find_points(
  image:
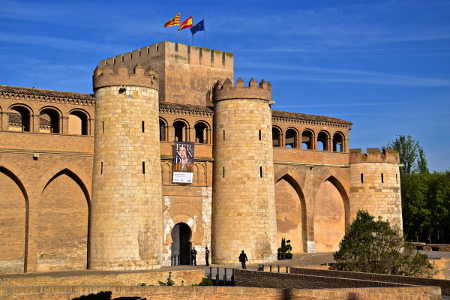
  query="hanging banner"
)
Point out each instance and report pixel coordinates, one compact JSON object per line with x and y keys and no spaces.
{"x":183,"y":162}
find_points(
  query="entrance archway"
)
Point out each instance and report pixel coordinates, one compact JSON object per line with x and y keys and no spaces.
{"x":181,"y":245}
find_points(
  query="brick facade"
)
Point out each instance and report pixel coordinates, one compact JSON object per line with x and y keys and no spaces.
{"x":294,"y":174}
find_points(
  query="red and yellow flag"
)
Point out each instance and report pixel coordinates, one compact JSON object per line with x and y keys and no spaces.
{"x":186,"y":23}
{"x":174,"y":21}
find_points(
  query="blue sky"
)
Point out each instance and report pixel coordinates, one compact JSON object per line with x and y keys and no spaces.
{"x":383,"y":65}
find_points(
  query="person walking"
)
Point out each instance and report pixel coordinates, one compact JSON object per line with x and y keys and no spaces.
{"x":243,"y":258}
{"x":207,"y":256}
{"x":193,"y":257}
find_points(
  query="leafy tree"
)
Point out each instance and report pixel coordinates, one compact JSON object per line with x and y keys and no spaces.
{"x":411,"y":153}
{"x":426,"y":207}
{"x":373,"y":246}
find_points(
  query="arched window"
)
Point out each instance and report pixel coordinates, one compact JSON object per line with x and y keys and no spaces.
{"x":78,"y":123}
{"x":307,"y":139}
{"x":19,"y":119}
{"x":49,"y":121}
{"x":338,"y":142}
{"x":322,"y":141}
{"x":201,"y":133}
{"x":276,"y":137}
{"x":180,"y":130}
{"x":291,"y":138}
{"x":162,"y":130}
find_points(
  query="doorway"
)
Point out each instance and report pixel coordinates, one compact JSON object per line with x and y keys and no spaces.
{"x":181,"y":245}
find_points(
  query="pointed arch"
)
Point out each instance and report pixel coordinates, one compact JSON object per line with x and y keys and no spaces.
{"x":14,"y":217}
{"x":331,"y":209}
{"x":63,"y":223}
{"x":291,"y":212}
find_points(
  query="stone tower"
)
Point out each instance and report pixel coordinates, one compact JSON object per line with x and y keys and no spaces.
{"x":244,"y":216}
{"x":127,"y":223}
{"x":375,"y":184}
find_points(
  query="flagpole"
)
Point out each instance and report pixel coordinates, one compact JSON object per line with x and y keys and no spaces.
{"x":204,"y":32}
{"x":191,"y":27}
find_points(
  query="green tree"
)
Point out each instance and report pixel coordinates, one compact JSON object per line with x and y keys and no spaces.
{"x":426,"y":207}
{"x":411,"y":153}
{"x":373,"y":246}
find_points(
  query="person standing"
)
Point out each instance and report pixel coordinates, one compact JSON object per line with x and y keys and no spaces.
{"x":193,"y":257}
{"x":243,"y":258}
{"x":207,"y":256}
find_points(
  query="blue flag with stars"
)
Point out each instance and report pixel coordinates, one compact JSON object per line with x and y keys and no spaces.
{"x":200,"y":26}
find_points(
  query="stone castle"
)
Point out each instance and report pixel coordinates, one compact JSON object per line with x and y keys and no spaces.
{"x":86,"y":181}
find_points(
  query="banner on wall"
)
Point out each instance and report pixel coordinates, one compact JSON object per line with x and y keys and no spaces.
{"x":183,"y":162}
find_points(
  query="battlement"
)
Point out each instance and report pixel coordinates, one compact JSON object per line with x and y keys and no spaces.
{"x":374,"y":155}
{"x":124,"y":75}
{"x":173,"y":52}
{"x":226,"y":91}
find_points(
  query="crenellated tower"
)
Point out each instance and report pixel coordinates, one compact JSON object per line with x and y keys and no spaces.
{"x":244,"y":215}
{"x":126,"y":213}
{"x":375,"y":184}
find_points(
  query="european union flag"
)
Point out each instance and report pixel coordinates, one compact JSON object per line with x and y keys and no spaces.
{"x":200,"y":26}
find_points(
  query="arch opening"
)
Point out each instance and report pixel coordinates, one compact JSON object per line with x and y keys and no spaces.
{"x":19,"y":119}
{"x":49,"y":121}
{"x":338,"y":142}
{"x":181,"y":244}
{"x":78,"y":123}
{"x":322,"y":141}
{"x":307,"y":138}
{"x":291,"y":138}
{"x":180,"y":131}
{"x":201,"y":136}
{"x":162,"y":130}
{"x":276,"y":137}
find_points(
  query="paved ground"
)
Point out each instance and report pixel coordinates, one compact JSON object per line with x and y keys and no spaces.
{"x":299,"y":260}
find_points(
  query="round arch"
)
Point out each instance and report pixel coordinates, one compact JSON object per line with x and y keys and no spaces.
{"x":276,"y":136}
{"x":20,"y":117}
{"x":181,"y":130}
{"x":163,"y":130}
{"x":338,"y":142}
{"x":308,"y":139}
{"x":202,"y":132}
{"x":78,"y":122}
{"x":50,"y":119}
{"x":322,"y":140}
{"x":291,"y":138}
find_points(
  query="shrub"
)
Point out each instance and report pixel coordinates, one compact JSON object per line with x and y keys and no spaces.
{"x":374,"y":247}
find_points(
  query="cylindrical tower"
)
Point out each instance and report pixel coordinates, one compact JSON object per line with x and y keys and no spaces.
{"x":375,"y":184}
{"x":126,"y":231}
{"x":244,"y":215}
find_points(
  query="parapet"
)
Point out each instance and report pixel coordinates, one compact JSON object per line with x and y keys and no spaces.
{"x":226,"y":91}
{"x":174,"y":52}
{"x":374,"y":155}
{"x":123,"y":75}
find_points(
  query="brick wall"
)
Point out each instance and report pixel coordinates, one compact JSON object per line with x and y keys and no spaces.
{"x":97,"y":278}
{"x":443,"y":284}
{"x":202,"y":293}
